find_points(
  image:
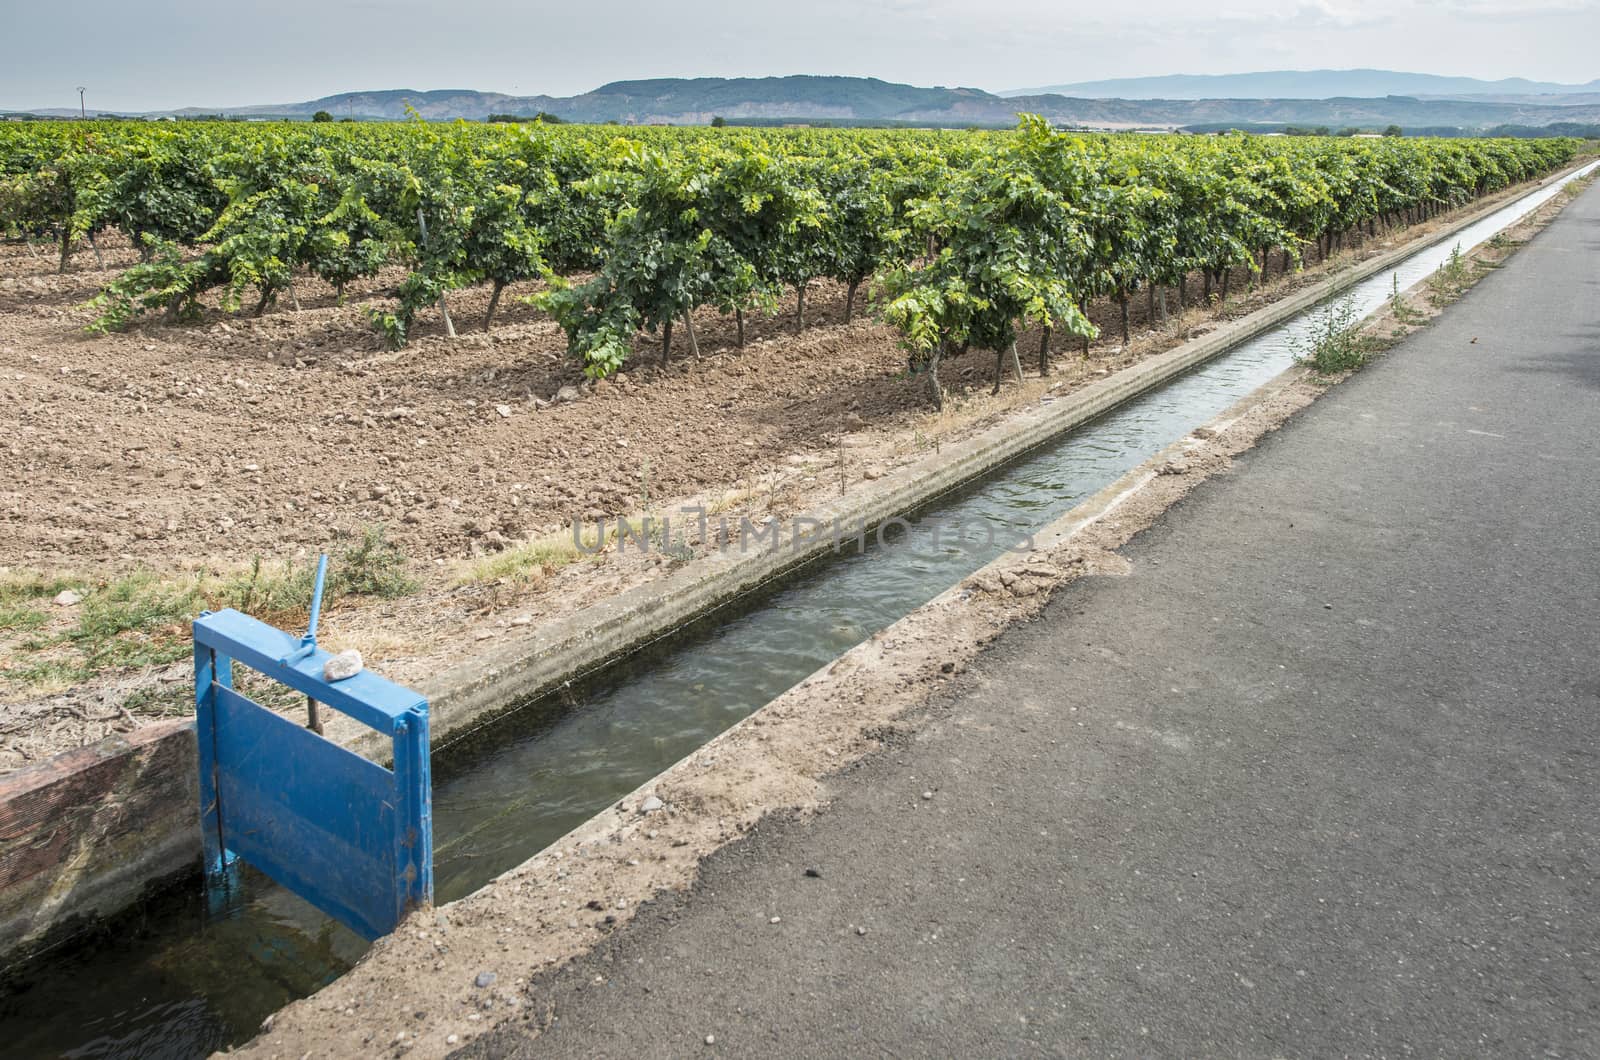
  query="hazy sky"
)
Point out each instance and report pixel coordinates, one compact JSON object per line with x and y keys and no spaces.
{"x":159,"y":54}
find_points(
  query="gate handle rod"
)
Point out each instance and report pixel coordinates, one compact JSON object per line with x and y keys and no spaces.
{"x":308,"y":643}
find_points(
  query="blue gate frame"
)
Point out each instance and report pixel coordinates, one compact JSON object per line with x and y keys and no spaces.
{"x":344,"y":833}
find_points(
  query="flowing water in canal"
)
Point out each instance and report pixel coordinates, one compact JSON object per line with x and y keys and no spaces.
{"x":182,"y":977}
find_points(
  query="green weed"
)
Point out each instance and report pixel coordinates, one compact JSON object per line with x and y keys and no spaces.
{"x":531,"y":560}
{"x":135,"y":621}
{"x":270,"y":594}
{"x":142,"y":619}
{"x":48,"y":674}
{"x":19,"y":616}
{"x":373,"y":566}
{"x":21,"y":586}
{"x":1404,"y":312}
{"x":1334,"y":344}
{"x":1450,"y":279}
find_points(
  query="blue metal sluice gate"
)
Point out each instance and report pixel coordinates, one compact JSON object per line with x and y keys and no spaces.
{"x":349,"y":836}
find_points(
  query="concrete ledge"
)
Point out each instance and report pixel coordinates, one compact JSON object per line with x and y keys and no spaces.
{"x":83,"y":834}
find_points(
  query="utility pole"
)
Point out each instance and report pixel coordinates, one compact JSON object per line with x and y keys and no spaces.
{"x":81,"y":112}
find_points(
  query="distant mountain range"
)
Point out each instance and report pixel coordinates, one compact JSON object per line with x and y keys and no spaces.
{"x":676,"y":101}
{"x":1308,"y":84}
{"x":856,"y":100}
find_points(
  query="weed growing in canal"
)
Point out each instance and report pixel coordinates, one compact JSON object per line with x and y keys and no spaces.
{"x":1451,"y":279}
{"x":1404,"y":312}
{"x":1334,"y":343}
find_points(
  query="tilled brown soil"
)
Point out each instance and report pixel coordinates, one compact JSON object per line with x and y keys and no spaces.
{"x":202,"y":446}
{"x":238,"y":435}
{"x":175,"y":445}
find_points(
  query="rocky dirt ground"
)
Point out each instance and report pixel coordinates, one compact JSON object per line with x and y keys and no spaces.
{"x":188,"y":451}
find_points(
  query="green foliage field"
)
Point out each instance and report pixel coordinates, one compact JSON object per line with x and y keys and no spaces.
{"x":962,"y":238}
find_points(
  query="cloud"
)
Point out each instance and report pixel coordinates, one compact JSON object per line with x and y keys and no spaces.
{"x":1520,"y":10}
{"x":165,"y":53}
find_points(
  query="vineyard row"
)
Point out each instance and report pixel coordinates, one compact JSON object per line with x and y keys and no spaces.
{"x":963,"y":237}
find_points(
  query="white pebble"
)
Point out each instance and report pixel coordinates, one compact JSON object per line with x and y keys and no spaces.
{"x":342,"y":666}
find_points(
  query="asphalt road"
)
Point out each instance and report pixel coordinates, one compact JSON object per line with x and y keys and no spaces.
{"x":1320,"y":777}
